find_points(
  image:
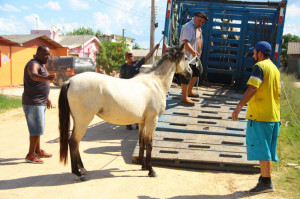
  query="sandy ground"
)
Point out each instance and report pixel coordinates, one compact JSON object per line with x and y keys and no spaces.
{"x":106,"y":151}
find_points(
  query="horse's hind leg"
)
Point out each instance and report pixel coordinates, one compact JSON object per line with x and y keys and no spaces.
{"x":78,"y":133}
{"x":83,"y":171}
{"x":150,"y":128}
{"x":142,"y":145}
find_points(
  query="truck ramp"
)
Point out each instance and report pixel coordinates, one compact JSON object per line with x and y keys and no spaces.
{"x":202,"y":136}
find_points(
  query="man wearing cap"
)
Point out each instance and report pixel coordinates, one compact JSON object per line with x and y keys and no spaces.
{"x":263,"y":114}
{"x":132,"y":67}
{"x":191,"y":37}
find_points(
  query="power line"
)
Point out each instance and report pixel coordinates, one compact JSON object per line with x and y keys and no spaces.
{"x":129,"y":12}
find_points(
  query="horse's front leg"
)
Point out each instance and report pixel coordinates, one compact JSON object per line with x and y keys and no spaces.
{"x":150,"y":128}
{"x":142,"y":145}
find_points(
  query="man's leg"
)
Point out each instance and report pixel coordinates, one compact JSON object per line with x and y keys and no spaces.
{"x":190,"y":87}
{"x":265,"y":168}
{"x":38,"y":145}
{"x":33,"y":142}
{"x":185,"y":98}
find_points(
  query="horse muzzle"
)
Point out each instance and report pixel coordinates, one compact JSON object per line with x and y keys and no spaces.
{"x":188,"y":73}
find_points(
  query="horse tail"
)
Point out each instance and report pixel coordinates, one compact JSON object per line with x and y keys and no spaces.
{"x":64,"y":122}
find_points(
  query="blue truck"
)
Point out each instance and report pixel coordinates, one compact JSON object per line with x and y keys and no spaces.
{"x":204,"y":136}
{"x":233,"y":27}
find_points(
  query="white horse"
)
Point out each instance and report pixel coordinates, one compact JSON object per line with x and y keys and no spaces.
{"x":141,"y":99}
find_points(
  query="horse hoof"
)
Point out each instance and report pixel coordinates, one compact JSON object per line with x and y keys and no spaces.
{"x":152,"y":174}
{"x":81,"y":179}
{"x":83,"y":171}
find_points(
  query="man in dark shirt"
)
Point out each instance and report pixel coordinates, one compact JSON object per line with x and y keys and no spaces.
{"x":132,"y":67}
{"x":35,"y":100}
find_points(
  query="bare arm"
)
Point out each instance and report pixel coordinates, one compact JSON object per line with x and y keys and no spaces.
{"x":151,"y":52}
{"x":33,"y":69}
{"x":189,"y":48}
{"x":247,"y":96}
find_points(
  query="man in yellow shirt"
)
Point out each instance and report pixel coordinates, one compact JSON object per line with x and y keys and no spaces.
{"x":263,"y":114}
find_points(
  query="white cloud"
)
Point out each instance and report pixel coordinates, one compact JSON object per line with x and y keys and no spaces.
{"x":67,"y":27}
{"x":7,"y":26}
{"x":53,"y":5}
{"x":103,"y":22}
{"x":292,"y":29}
{"x":292,"y":11}
{"x":78,"y":5}
{"x":25,"y":7}
{"x":34,"y":22}
{"x":9,"y":8}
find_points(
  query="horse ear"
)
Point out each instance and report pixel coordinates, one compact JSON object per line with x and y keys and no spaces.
{"x":181,"y":47}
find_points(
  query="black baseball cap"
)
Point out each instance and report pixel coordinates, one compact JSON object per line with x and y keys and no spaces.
{"x":201,"y":14}
{"x":128,"y":53}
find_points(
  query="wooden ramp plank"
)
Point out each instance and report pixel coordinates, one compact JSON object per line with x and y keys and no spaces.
{"x":202,"y":136}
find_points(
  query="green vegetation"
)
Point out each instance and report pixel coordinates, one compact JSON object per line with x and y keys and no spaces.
{"x":286,"y":178}
{"x":7,"y":103}
{"x":286,"y":38}
{"x":136,"y":46}
{"x":85,"y":31}
{"x":111,"y":56}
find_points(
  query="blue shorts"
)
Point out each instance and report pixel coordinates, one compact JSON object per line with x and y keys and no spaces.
{"x":261,"y":140}
{"x":35,"y":117}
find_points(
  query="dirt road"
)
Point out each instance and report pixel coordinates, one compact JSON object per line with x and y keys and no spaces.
{"x":106,"y":151}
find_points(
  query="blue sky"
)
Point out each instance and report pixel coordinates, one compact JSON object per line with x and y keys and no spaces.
{"x":110,"y":17}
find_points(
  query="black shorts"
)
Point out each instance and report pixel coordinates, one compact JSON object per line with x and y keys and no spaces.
{"x":196,"y":73}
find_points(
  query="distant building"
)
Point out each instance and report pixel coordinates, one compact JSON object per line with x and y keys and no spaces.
{"x":294,"y":57}
{"x":114,"y":38}
{"x":78,"y":45}
{"x":140,"y":53}
{"x":17,"y":50}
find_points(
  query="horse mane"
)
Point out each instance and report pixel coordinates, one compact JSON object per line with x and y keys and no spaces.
{"x":173,"y":54}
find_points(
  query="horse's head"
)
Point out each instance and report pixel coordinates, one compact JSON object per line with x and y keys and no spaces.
{"x":176,"y":55}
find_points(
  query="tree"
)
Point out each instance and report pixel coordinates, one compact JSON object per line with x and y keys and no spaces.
{"x":284,"y":48}
{"x":136,"y":46}
{"x":111,"y":56}
{"x":84,"y":31}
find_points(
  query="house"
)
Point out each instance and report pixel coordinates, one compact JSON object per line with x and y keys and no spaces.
{"x":114,"y":38}
{"x":294,"y":57}
{"x":80,"y":45}
{"x":17,"y":50}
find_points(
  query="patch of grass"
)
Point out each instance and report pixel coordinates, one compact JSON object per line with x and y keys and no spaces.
{"x":287,"y":178}
{"x":7,"y":103}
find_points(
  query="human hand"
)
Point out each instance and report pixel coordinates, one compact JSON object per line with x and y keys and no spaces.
{"x":195,"y":53}
{"x":48,"y":104}
{"x":235,"y":113}
{"x":51,"y":77}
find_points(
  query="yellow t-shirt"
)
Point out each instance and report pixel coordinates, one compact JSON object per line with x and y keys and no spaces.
{"x":264,"y":105}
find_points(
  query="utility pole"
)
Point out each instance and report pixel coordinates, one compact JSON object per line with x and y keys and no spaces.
{"x":152,"y":29}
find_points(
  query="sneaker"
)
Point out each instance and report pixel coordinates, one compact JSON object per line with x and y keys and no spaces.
{"x":33,"y":159}
{"x":43,"y":154}
{"x":262,"y":187}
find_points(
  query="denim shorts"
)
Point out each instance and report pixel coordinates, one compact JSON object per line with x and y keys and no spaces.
{"x":35,"y":117}
{"x":261,"y":140}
